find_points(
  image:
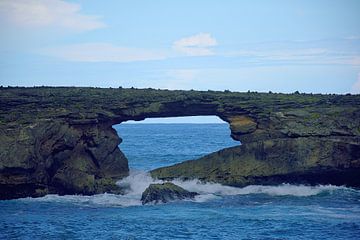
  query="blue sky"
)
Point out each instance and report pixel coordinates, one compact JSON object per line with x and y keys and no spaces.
{"x":279,"y":46}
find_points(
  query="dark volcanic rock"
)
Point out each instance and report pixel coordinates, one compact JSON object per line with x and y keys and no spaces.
{"x":51,"y":157}
{"x":164,"y":193}
{"x":61,"y":140}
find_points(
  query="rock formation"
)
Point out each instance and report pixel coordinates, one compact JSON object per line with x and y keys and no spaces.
{"x":61,"y":140}
{"x":298,"y":160}
{"x":165,"y":192}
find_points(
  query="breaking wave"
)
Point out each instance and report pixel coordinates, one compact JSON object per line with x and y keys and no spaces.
{"x":138,"y":181}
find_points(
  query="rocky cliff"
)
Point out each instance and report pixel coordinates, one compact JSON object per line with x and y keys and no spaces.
{"x":60,"y":140}
{"x":308,"y":160}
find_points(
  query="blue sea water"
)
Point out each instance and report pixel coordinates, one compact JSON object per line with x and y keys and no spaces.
{"x":150,"y":146}
{"x":219,"y":212}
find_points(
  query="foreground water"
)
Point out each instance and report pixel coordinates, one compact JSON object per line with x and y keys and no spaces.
{"x":219,"y":212}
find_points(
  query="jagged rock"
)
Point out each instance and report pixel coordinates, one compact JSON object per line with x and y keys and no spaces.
{"x":165,"y":192}
{"x":60,"y":140}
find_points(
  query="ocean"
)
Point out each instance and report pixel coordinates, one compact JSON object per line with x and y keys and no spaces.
{"x":220,"y":212}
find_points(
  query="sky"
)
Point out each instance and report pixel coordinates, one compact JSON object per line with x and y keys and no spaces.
{"x":188,"y":119}
{"x":257,"y":45}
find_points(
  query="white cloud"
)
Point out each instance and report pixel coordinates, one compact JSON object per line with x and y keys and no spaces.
{"x":102,"y":52}
{"x":356,"y":87}
{"x":196,"y":45}
{"x":301,"y":55}
{"x":284,"y":54}
{"x":47,"y":13}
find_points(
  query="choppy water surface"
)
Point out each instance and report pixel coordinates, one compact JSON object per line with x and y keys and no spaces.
{"x":219,"y":212}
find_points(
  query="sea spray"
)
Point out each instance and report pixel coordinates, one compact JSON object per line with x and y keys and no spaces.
{"x":138,"y":181}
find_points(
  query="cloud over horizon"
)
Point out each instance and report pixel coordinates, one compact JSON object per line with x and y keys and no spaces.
{"x":196,"y":45}
{"x":47,"y":13}
{"x":135,"y":43}
{"x":102,"y":52}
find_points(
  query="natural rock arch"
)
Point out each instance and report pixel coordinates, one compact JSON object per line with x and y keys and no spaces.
{"x":157,"y":142}
{"x":61,"y":140}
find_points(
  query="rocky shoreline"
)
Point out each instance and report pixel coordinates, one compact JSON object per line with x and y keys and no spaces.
{"x":60,"y":139}
{"x":309,"y":161}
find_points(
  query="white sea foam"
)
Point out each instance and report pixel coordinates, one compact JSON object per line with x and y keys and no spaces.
{"x":105,"y":199}
{"x":279,"y":190}
{"x":138,"y":181}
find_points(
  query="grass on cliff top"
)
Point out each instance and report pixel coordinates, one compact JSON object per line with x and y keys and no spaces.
{"x":18,"y":103}
{"x":135,"y":94}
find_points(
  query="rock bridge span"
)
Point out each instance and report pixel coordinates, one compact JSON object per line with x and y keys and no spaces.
{"x":60,"y":139}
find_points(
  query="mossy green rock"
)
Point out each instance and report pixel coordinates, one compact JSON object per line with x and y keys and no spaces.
{"x":60,"y":140}
{"x":51,"y":157}
{"x":165,"y":192}
{"x":298,"y":160}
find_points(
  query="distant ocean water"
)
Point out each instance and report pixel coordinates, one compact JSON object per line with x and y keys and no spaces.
{"x":219,"y":212}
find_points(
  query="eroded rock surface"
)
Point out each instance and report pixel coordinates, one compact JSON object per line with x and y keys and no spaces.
{"x":61,"y":140}
{"x":297,"y":160}
{"x":165,"y":192}
{"x":54,"y":157}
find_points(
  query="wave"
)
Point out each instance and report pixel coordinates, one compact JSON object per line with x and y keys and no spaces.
{"x":105,"y":199}
{"x":284,"y":189}
{"x":138,"y":181}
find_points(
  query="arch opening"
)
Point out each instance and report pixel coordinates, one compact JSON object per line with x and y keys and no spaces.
{"x":159,"y":142}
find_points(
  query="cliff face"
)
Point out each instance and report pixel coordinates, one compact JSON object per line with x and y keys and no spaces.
{"x":317,"y":144}
{"x":60,"y":140}
{"x":54,"y":157}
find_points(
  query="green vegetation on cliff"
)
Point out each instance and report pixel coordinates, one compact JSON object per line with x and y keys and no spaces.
{"x":61,"y":140}
{"x":307,"y":160}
